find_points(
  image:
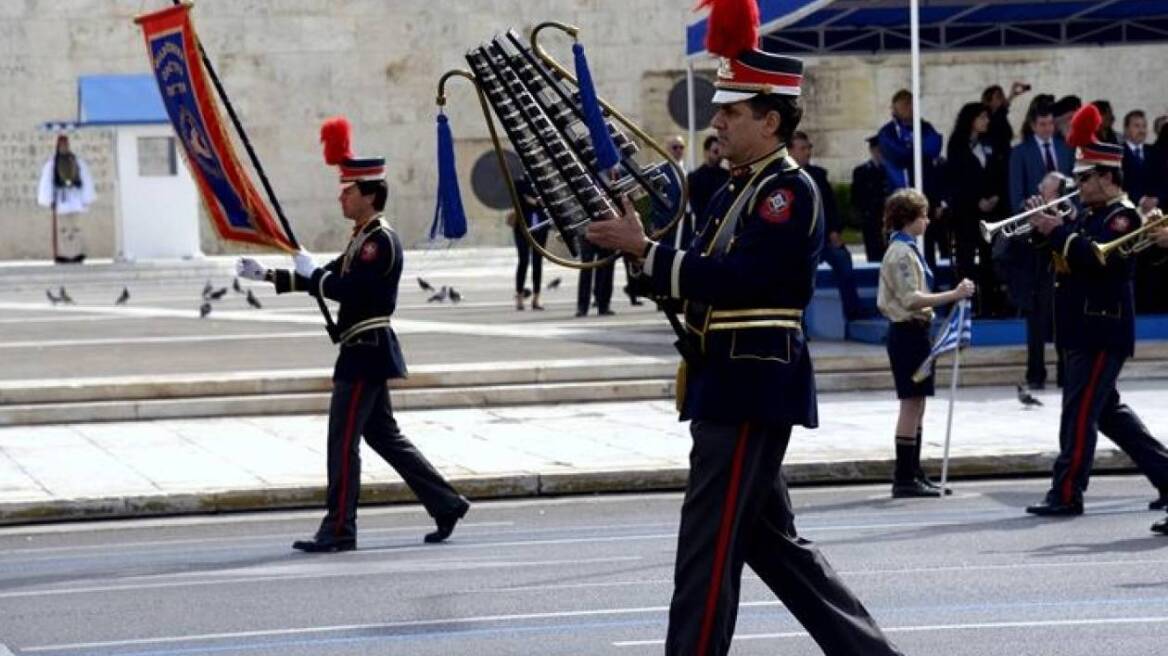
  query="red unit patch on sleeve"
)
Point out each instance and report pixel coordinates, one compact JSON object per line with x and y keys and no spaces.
{"x":1119,"y":224}
{"x":369,"y":251}
{"x":776,"y":208}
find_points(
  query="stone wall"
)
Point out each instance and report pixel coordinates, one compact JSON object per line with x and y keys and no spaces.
{"x":290,"y":63}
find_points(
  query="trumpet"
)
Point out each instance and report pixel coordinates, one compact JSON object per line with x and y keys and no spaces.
{"x":1136,"y":241}
{"x":1019,"y":224}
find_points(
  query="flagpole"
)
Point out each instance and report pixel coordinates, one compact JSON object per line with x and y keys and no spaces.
{"x":915,"y":65}
{"x":952,"y":397}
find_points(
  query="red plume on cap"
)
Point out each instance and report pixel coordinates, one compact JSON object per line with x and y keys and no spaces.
{"x":1084,"y":125}
{"x":732,"y":27}
{"x":335,"y":133}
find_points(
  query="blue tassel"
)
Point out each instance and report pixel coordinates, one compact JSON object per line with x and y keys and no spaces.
{"x":448,"y":213}
{"x":606,"y":153}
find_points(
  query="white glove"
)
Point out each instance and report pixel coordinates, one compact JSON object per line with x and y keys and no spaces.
{"x":250,"y":269}
{"x":304,"y":264}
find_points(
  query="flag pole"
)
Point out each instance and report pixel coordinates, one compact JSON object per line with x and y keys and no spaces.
{"x":952,"y":397}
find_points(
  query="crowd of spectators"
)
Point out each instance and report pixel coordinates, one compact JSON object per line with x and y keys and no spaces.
{"x":985,"y":170}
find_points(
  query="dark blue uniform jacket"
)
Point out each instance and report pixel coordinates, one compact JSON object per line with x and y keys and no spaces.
{"x":745,"y":280}
{"x":364,"y":280}
{"x":1093,"y":301}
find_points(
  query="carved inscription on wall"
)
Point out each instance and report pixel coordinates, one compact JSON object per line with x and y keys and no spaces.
{"x":23,"y":153}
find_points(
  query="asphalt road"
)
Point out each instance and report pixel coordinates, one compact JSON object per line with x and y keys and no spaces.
{"x":967,"y":576}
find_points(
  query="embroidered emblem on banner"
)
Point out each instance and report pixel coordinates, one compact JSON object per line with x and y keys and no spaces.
{"x":776,"y":208}
{"x":369,"y":251}
{"x":1120,"y":224}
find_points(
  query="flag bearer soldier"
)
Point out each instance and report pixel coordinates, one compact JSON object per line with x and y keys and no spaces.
{"x":747,"y":377}
{"x":365,"y":282}
{"x":1094,"y":325}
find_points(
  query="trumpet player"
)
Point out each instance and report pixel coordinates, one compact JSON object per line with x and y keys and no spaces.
{"x":1094,"y":325}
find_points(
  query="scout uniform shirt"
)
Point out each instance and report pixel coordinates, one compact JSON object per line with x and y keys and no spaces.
{"x":902,"y":272}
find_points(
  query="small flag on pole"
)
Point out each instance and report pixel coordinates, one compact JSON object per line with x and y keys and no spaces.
{"x":958,"y":333}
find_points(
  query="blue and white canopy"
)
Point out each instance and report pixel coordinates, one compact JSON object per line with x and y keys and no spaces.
{"x":820,"y":27}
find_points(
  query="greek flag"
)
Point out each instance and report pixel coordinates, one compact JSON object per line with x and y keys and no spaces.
{"x":958,"y":333}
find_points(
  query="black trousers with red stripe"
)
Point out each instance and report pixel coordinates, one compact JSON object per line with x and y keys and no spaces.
{"x":737,"y":512}
{"x":359,"y":408}
{"x":1091,"y":404}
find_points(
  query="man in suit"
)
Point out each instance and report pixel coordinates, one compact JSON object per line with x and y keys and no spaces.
{"x":1139,"y":175}
{"x":1041,"y":153}
{"x":869,"y":189}
{"x":706,"y":181}
{"x":835,"y":252}
{"x":1032,"y":284}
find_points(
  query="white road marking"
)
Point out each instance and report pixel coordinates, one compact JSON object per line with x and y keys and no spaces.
{"x":749,"y":576}
{"x":973,"y":626}
{"x":153,"y":545}
{"x":357,"y":627}
{"x":174,"y":339}
{"x":395,"y":568}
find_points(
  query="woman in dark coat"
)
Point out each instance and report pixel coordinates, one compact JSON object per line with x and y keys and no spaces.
{"x":977,"y":174}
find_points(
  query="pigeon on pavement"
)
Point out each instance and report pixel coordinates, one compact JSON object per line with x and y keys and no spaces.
{"x":217,"y":294}
{"x":554,"y":284}
{"x":207,"y":289}
{"x":425,"y":285}
{"x":123,"y":297}
{"x":64,"y":296}
{"x":52,"y":299}
{"x":455,"y":296}
{"x":204,"y":310}
{"x":236,"y":286}
{"x":440,"y":296}
{"x":1027,"y":399}
{"x":253,"y":301}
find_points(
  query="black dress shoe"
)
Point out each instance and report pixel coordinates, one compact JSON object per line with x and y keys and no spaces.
{"x":914,"y":489}
{"x":446,"y":523}
{"x":1161,"y":526}
{"x":1051,"y":509}
{"x":1161,"y":503}
{"x":324,"y":546}
{"x":930,"y":483}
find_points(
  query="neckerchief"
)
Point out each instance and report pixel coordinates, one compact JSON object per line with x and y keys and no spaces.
{"x":912,"y":243}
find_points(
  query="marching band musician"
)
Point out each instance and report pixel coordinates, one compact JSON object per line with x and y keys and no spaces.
{"x":1094,"y":325}
{"x":745,"y":281}
{"x":365,"y":282}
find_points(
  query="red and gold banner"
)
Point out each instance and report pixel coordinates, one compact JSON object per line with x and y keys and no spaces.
{"x":237,"y":210}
